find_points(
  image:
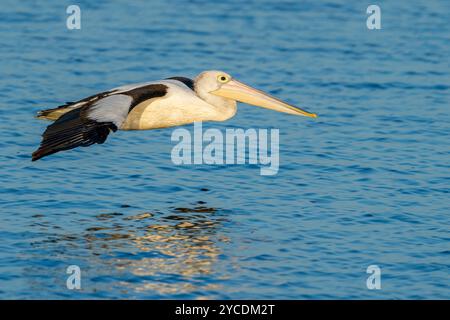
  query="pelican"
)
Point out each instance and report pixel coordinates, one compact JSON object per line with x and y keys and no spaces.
{"x":175,"y":101}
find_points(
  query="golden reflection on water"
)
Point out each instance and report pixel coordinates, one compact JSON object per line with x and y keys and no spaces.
{"x":182,"y":243}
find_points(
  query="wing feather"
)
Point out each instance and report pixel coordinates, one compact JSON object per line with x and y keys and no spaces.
{"x":97,"y":116}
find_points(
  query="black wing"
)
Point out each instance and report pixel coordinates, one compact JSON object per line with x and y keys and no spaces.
{"x":89,"y":124}
{"x":72,"y":130}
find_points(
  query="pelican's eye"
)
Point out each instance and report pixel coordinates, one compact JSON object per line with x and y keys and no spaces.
{"x":222,"y":78}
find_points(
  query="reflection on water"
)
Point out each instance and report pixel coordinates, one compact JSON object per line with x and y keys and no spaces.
{"x":150,"y":253}
{"x":181,"y":243}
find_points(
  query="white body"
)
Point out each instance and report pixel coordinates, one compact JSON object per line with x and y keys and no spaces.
{"x":179,"y":106}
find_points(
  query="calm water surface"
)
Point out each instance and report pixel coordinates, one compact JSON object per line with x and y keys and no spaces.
{"x":365,"y":183}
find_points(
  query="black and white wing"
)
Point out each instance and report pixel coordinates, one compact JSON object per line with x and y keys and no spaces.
{"x":93,"y":121}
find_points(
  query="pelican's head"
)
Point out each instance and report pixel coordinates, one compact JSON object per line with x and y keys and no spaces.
{"x":221,"y":84}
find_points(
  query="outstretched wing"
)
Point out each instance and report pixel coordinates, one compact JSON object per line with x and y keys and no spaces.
{"x":84,"y":126}
{"x":92,"y":123}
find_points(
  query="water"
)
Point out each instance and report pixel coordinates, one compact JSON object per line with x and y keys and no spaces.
{"x":365,"y":183}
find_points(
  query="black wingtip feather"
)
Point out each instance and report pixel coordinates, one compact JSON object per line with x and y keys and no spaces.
{"x":70,"y":131}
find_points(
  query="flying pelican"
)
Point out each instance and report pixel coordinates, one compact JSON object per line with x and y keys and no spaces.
{"x":166,"y":103}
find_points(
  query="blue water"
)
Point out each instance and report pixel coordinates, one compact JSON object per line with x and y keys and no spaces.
{"x":365,"y":183}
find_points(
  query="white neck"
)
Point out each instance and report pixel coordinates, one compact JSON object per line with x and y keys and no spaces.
{"x":226,"y":108}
